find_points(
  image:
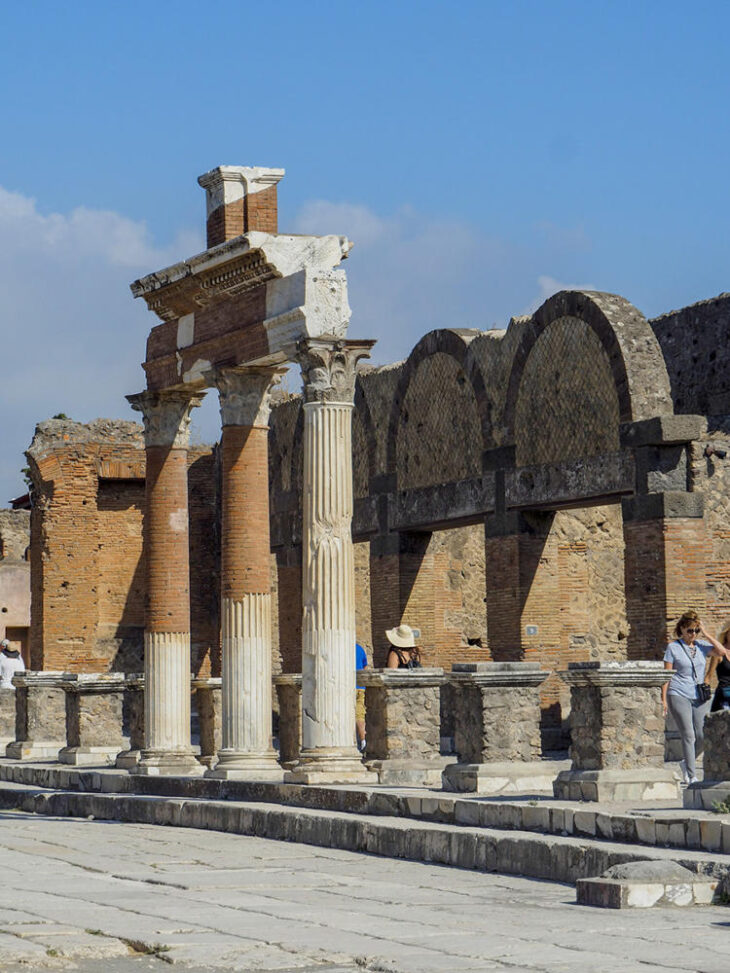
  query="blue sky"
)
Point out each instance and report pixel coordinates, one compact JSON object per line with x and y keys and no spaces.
{"x":480,"y":155}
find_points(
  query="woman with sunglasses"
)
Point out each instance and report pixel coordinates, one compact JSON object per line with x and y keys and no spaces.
{"x":681,"y":695}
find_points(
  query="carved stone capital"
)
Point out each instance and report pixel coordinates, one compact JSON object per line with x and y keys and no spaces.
{"x":329,"y":367}
{"x":245,"y":394}
{"x":166,"y":416}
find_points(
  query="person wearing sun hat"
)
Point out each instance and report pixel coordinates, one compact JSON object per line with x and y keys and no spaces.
{"x":404,"y":654}
{"x":10,"y":662}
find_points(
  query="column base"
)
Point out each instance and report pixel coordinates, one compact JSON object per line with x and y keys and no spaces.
{"x":325,"y":765}
{"x":34,"y":749}
{"x":703,"y":796}
{"x":88,"y":756}
{"x":127,"y":759}
{"x":640,"y":784}
{"x":234,"y":765}
{"x":518,"y":777}
{"x":408,"y":773}
{"x":168,"y":763}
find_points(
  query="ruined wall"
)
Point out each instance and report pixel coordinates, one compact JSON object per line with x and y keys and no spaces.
{"x":87,"y":564}
{"x":694,"y":342}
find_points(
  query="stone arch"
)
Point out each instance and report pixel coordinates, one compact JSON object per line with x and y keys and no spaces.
{"x":439,"y":419}
{"x":586,"y":362}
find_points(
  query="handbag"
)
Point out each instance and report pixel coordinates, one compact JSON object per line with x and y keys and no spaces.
{"x":703,"y":689}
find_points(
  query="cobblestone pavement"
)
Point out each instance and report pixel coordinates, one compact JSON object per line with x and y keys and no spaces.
{"x":98,"y":896}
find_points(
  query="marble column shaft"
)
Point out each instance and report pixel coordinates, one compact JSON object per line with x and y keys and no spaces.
{"x":167,"y":618}
{"x":328,"y":582}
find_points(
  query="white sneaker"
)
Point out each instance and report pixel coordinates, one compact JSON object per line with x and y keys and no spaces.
{"x":693,"y":780}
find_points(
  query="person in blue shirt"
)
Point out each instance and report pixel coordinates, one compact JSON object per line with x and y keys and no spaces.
{"x":361,"y":662}
{"x":687,"y":655}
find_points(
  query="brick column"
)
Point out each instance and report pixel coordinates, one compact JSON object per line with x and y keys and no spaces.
{"x":167,"y":747}
{"x":328,"y":751}
{"x":246,"y":576}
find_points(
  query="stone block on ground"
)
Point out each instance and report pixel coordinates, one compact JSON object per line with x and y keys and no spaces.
{"x":40,"y":716}
{"x":94,"y":718}
{"x":643,"y":884}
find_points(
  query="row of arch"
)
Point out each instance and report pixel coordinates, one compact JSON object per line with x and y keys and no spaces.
{"x":556,"y":385}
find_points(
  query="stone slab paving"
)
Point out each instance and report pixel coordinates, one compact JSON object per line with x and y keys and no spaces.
{"x":91,"y":895}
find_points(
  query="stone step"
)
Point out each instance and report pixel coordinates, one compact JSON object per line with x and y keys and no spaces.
{"x":669,"y":827}
{"x":552,"y":857}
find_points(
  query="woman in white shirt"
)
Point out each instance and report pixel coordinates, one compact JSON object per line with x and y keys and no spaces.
{"x":11,"y":662}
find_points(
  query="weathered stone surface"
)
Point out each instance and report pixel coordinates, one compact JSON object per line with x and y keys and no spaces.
{"x":289,"y":693}
{"x":40,"y":724}
{"x":717,"y":746}
{"x":643,"y":884}
{"x":209,"y":706}
{"x":7,"y":715}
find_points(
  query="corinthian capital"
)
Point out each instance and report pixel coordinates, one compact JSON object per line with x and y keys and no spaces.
{"x":329,"y":366}
{"x":245,"y":394}
{"x":166,"y":416}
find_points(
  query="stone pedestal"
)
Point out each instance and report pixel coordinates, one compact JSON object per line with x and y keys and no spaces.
{"x":167,"y":747}
{"x":246,"y":751}
{"x":40,"y":723}
{"x":208,"y":704}
{"x":497,"y":729}
{"x":329,"y":754}
{"x":289,"y":693}
{"x":403,"y":724}
{"x":7,"y":717}
{"x":715,"y":786}
{"x":133,"y":720}
{"x":93,"y":718}
{"x":617,"y":734}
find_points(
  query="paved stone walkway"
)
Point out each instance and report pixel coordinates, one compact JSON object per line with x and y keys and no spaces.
{"x":93,"y":896}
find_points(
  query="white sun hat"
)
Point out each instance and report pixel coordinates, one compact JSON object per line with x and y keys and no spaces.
{"x":402,"y":636}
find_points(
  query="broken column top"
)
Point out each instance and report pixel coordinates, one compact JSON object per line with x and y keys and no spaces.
{"x":240,"y":199}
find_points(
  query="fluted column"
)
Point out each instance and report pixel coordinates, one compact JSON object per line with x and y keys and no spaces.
{"x":167,"y":747}
{"x":329,"y":754}
{"x":245,"y":576}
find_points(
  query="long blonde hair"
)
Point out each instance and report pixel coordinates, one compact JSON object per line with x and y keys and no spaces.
{"x":722,"y":637}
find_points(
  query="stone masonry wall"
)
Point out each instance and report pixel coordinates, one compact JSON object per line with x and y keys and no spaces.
{"x":616,"y":728}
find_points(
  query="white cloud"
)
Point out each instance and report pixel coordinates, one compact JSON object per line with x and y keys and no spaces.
{"x":73,"y":337}
{"x":547,"y":286}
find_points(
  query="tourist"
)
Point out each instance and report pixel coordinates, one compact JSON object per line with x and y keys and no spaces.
{"x":721,"y":667}
{"x":361,"y":662}
{"x":404,"y":654}
{"x":11,"y":662}
{"x":685,"y":695}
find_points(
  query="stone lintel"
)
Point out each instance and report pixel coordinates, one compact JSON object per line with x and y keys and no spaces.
{"x":402,"y":678}
{"x":50,"y":679}
{"x":486,"y":674}
{"x":464,"y":502}
{"x":94,"y":683}
{"x":570,"y":483}
{"x":670,"y":505}
{"x":206,"y":682}
{"x":640,"y":673}
{"x":662,"y":430}
{"x":288,"y":679}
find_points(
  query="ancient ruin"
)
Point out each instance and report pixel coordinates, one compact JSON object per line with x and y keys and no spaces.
{"x":555,"y":493}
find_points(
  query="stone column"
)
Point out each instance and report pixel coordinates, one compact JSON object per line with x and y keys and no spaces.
{"x":246,"y":576}
{"x":403,"y":724}
{"x":40,"y":716}
{"x":617,"y":734}
{"x":329,"y":754}
{"x":133,"y":720}
{"x":94,"y":704}
{"x":208,"y":705}
{"x":7,"y":717}
{"x":289,"y":692}
{"x":497,"y":729}
{"x":167,"y":747}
